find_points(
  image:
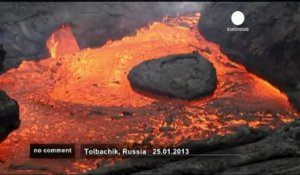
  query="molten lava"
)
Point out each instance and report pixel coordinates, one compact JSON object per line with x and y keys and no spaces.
{"x":62,"y":42}
{"x":83,"y":96}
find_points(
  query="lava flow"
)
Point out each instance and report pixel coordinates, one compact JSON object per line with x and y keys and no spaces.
{"x":83,"y":96}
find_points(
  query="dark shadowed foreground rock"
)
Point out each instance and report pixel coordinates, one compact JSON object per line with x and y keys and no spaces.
{"x":9,"y":115}
{"x":248,"y":151}
{"x":270,"y":49}
{"x":184,"y":76}
{"x":27,"y":166}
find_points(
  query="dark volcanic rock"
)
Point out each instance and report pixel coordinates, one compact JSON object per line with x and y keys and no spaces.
{"x":294,"y":98}
{"x":184,"y":76}
{"x":270,"y":49}
{"x":248,"y":151}
{"x":9,"y":115}
{"x":276,"y":166}
{"x":27,"y":166}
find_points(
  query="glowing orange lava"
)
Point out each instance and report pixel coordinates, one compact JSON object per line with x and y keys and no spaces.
{"x":62,"y":42}
{"x":83,"y":96}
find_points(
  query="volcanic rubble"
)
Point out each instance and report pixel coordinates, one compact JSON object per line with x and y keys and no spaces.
{"x":247,"y":151}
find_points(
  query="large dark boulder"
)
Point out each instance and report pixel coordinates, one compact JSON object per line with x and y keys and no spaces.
{"x":9,"y":115}
{"x":270,"y":49}
{"x":184,"y":76}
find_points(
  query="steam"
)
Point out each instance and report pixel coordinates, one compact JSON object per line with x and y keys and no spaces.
{"x":180,"y":8}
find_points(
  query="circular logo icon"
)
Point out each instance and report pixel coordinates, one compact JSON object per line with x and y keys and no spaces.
{"x":237,"y":18}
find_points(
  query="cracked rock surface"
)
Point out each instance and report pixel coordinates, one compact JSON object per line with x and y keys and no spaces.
{"x":247,"y":151}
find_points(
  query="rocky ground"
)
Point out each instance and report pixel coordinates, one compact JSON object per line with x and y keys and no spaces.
{"x":248,"y":151}
{"x":9,"y":115}
{"x":183,"y":76}
{"x":270,"y":49}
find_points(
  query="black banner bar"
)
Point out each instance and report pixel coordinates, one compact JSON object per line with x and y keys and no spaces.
{"x":52,"y":151}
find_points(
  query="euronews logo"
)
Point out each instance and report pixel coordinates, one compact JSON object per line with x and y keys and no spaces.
{"x":237,"y":18}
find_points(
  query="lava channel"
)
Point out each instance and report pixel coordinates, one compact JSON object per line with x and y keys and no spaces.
{"x":83,"y":96}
